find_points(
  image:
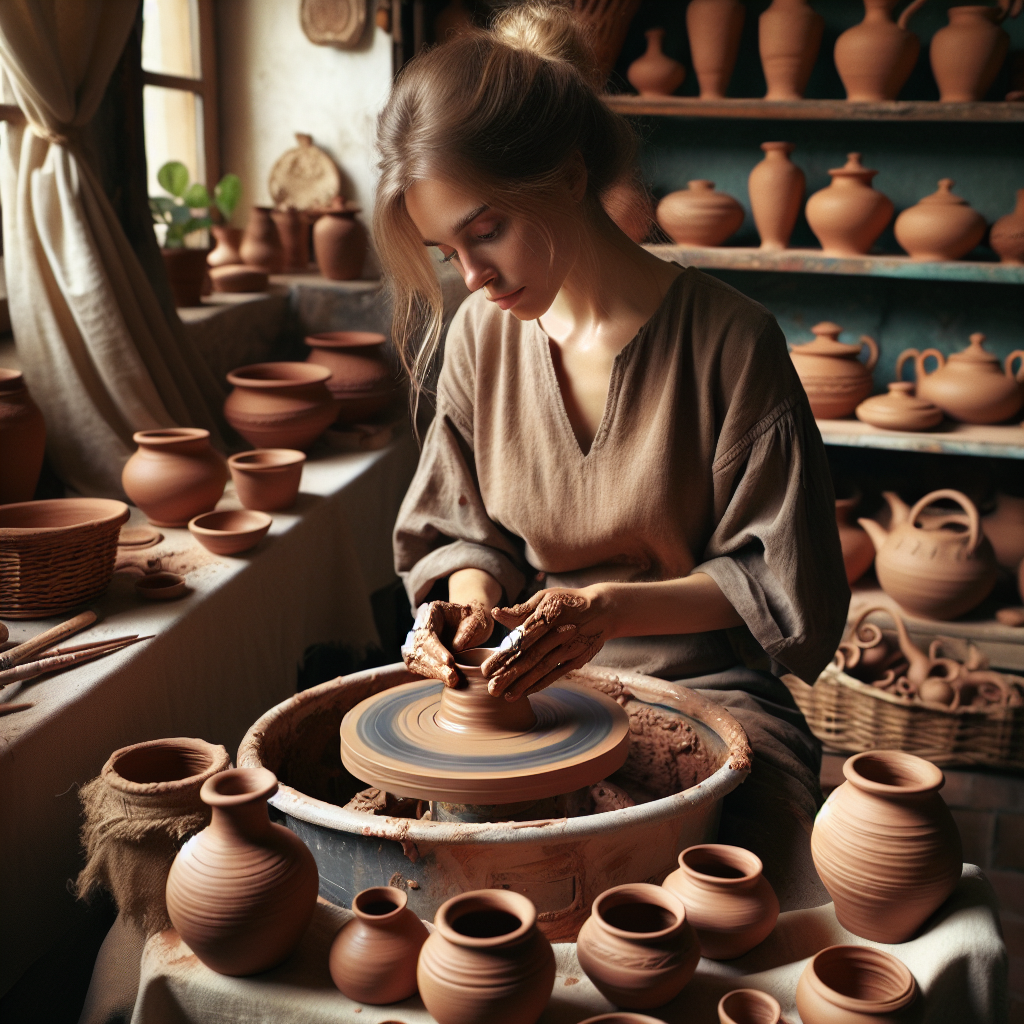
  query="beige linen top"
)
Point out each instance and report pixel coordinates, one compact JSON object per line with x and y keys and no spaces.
{"x":707,"y":459}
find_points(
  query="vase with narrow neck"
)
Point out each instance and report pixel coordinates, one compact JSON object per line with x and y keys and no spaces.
{"x":966,"y":54}
{"x":655,"y":73}
{"x":789,"y":35}
{"x":942,"y":226}
{"x":849,"y":215}
{"x":22,"y":439}
{"x":225,"y":253}
{"x":776,"y":189}
{"x":714,"y":28}
{"x":1007,"y":234}
{"x":874,"y":59}
{"x":261,"y":244}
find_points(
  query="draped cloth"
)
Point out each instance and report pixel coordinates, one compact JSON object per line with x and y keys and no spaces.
{"x":96,"y":348}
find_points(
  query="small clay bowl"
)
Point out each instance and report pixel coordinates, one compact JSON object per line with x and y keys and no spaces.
{"x":160,"y":586}
{"x":748,"y":1006}
{"x":267,"y":479}
{"x":230,"y":533}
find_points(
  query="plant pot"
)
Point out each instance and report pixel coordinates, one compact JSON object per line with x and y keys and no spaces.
{"x":22,"y":439}
{"x":698,"y":215}
{"x":941,"y":226}
{"x":776,"y":188}
{"x":186,"y":273}
{"x":789,"y":36}
{"x":340,"y":241}
{"x":261,"y":244}
{"x":268,"y":479}
{"x":714,"y":28}
{"x":849,"y":215}
{"x":855,"y":985}
{"x":874,"y":58}
{"x":966,"y":54}
{"x":293,"y":229}
{"x":225,"y":253}
{"x":654,"y":73}
{"x":362,"y":379}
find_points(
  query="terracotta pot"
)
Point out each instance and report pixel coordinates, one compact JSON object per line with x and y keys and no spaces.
{"x":267,"y":480}
{"x":280,"y":405}
{"x":874,"y":59}
{"x":899,"y":409}
{"x":225,"y":253}
{"x":293,"y":229}
{"x":339,"y":241}
{"x":486,"y":961}
{"x":855,"y":985}
{"x":714,"y":28}
{"x":966,"y":54}
{"x":1005,"y":531}
{"x":835,"y":379}
{"x":629,"y":206}
{"x":789,"y":35}
{"x":1007,"y":234}
{"x":238,"y":278}
{"x":230,"y":532}
{"x":858,"y":551}
{"x":848,"y":215}
{"x":776,"y":188}
{"x":186,"y":274}
{"x":748,"y":1006}
{"x":941,"y":226}
{"x":242,"y":893}
{"x":727,"y":898}
{"x":970,"y":385}
{"x":362,"y":379}
{"x":22,"y":439}
{"x":655,"y":74}
{"x":698,"y":215}
{"x":261,"y":244}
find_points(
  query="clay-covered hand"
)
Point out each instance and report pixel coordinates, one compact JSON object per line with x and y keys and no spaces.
{"x":556,"y":631}
{"x":441,"y":628}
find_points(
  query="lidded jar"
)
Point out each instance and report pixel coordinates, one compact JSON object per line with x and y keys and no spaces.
{"x":835,"y":379}
{"x":848,"y":215}
{"x":855,"y":985}
{"x":22,"y":439}
{"x":698,"y":215}
{"x":655,"y":73}
{"x":966,"y":54}
{"x":899,"y":409}
{"x":942,"y":226}
{"x":875,"y":57}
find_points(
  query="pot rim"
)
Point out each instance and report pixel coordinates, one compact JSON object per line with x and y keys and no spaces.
{"x":289,"y":458}
{"x":165,"y":436}
{"x":923,"y":776}
{"x":218,"y":761}
{"x":380,"y":893}
{"x":302,"y":375}
{"x":261,"y":521}
{"x":345,"y":339}
{"x":643,"y":893}
{"x":236,"y":787}
{"x":766,"y":999}
{"x":95,"y":512}
{"x":502,"y":900}
{"x":731,"y":856}
{"x":904,"y":983}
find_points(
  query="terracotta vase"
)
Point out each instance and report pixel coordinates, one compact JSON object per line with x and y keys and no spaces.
{"x":835,"y":379}
{"x":966,"y":54}
{"x":855,"y":985}
{"x":1005,"y":530}
{"x":261,"y":244}
{"x":373,"y":958}
{"x":293,"y":230}
{"x":776,"y":188}
{"x":698,"y":215}
{"x":858,"y":551}
{"x":486,"y":961}
{"x":225,"y":253}
{"x":789,"y":36}
{"x":186,"y":274}
{"x":280,"y":405}
{"x":714,"y":28}
{"x":848,"y":215}
{"x":655,"y":74}
{"x":174,"y":475}
{"x":340,"y":241}
{"x":935,"y":566}
{"x":242,"y":892}
{"x":899,"y":409}
{"x":362,"y":379}
{"x":1007,"y":234}
{"x":748,"y":1006}
{"x":970,"y":385}
{"x":22,"y":439}
{"x":267,"y":480}
{"x":727,"y":898}
{"x":874,"y":59}
{"x":941,"y":226}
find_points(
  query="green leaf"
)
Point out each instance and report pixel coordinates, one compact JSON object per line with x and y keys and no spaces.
{"x":162,"y":209}
{"x":173,"y":176}
{"x":180,"y":213}
{"x":227,"y":193}
{"x":197,"y":197}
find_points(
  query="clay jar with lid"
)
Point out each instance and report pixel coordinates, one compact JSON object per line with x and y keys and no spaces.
{"x":835,"y":380}
{"x":966,"y":54}
{"x":941,"y":226}
{"x":486,"y":961}
{"x":268,"y":479}
{"x":22,"y":439}
{"x":714,"y":28}
{"x":362,"y":379}
{"x":789,"y":35}
{"x":339,"y":242}
{"x":261,"y":244}
{"x":373,"y":958}
{"x":1007,"y":234}
{"x":874,"y":58}
{"x":855,"y":985}
{"x":698,"y":215}
{"x":899,"y":409}
{"x":848,"y":215}
{"x":776,"y":189}
{"x":655,"y":73}
{"x":727,"y":898}
{"x":174,"y":475}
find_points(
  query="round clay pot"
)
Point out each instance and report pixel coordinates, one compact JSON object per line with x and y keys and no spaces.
{"x":858,"y":551}
{"x":225,"y":253}
{"x":655,"y":74}
{"x":1007,"y":234}
{"x":238,"y":278}
{"x":835,"y":379}
{"x":698,"y":215}
{"x":280,"y":405}
{"x":966,"y":54}
{"x":160,"y":586}
{"x":362,"y":379}
{"x":242,"y":892}
{"x":854,"y":985}
{"x":1005,"y":530}
{"x":339,"y":241}
{"x":789,"y":35}
{"x":267,"y":480}
{"x":186,"y":274}
{"x":875,"y":58}
{"x":727,"y":898}
{"x":941,"y":226}
{"x":22,"y":439}
{"x":714,"y":28}
{"x":486,"y":961}
{"x":373,"y":958}
{"x":621,"y":1017}
{"x":748,"y":1006}
{"x":261,"y":244}
{"x":230,"y":532}
{"x":848,"y":215}
{"x":293,"y":230}
{"x":174,"y":475}
{"x":899,"y":409}
{"x":776,"y":188}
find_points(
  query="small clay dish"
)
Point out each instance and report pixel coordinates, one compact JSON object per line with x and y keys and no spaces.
{"x":237,"y":277}
{"x":160,"y":586}
{"x":748,"y":1006}
{"x":230,"y":533}
{"x":900,"y":409}
{"x":267,"y":479}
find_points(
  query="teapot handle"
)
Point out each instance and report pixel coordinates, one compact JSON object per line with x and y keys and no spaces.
{"x":872,"y":346}
{"x":1015,"y":354}
{"x":909,"y":12}
{"x":910,"y":353}
{"x":975,"y":535}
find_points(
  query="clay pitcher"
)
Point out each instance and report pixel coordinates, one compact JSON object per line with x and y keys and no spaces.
{"x":22,"y":439}
{"x":848,"y":215}
{"x":1007,"y":234}
{"x":966,"y":54}
{"x":714,"y":28}
{"x":261,"y":244}
{"x":789,"y":35}
{"x":293,"y":230}
{"x":858,"y":551}
{"x":855,"y":985}
{"x":698,"y":215}
{"x":339,"y":242}
{"x":835,"y":380}
{"x":874,"y":59}
{"x":941,"y":226}
{"x":225,"y":253}
{"x":655,"y":73}
{"x":776,"y":188}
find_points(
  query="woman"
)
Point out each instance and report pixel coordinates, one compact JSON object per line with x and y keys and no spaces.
{"x":623,"y":467}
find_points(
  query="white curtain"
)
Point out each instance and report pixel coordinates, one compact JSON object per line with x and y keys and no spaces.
{"x":97,"y":351}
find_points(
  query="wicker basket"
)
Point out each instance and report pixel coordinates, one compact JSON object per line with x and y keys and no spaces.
{"x":56,"y":554}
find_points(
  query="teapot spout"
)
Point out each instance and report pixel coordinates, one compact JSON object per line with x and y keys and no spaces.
{"x":875,"y":531}
{"x":898,"y":507}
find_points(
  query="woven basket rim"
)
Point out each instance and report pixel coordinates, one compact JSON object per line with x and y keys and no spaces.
{"x":115,"y":510}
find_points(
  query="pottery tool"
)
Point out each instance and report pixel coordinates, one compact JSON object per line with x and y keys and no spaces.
{"x":16,"y":655}
{"x":54,"y":651}
{"x":31,"y":669}
{"x":9,"y":709}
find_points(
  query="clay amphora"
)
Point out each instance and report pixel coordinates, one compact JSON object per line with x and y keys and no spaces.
{"x":937,"y":566}
{"x":967,"y":53}
{"x":776,"y":188}
{"x":486,"y":961}
{"x":835,"y":380}
{"x":293,"y":230}
{"x":339,"y":241}
{"x":373,"y":958}
{"x":727,"y":898}
{"x":970,"y":385}
{"x":174,"y":475}
{"x":714,"y":28}
{"x":698,"y":215}
{"x":655,"y":74}
{"x":789,"y":35}
{"x":941,"y":226}
{"x":899,"y":409}
{"x":242,"y":893}
{"x":848,"y":215}
{"x":1007,"y":234}
{"x":22,"y":439}
{"x":225,"y":253}
{"x":261,"y":244}
{"x":268,"y":479}
{"x":875,"y":58}
{"x":855,"y":985}
{"x":858,"y":551}
{"x":748,"y":1006}
{"x":361,"y":378}
{"x":186,"y":274}
{"x":1005,"y":530}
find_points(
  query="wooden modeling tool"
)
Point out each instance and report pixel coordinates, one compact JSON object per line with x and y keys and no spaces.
{"x":24,"y":651}
{"x":30,"y":670}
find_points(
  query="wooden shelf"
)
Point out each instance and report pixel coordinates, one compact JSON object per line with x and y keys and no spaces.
{"x":999,"y":442}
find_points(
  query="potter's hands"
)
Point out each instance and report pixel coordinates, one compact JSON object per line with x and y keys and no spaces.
{"x":556,"y":631}
{"x":442,"y":627}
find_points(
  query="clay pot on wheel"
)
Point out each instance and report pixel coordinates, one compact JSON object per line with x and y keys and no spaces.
{"x":748,"y":1006}
{"x":1007,"y":234}
{"x":858,"y":551}
{"x":261,"y":244}
{"x":789,"y":35}
{"x":339,"y":241}
{"x":22,"y":439}
{"x":966,"y":54}
{"x":186,"y":274}
{"x":268,"y":479}
{"x":776,"y":188}
{"x":698,"y":215}
{"x":848,"y":215}
{"x":941,"y":226}
{"x":855,"y":985}
{"x":225,"y":253}
{"x":293,"y":230}
{"x":874,"y":59}
{"x":655,"y":74}
{"x":833,"y":376}
{"x":362,"y":379}
{"x":714,"y":28}
{"x":899,"y":409}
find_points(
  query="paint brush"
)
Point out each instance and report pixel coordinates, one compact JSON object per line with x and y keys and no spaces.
{"x":37,"y":668}
{"x":16,"y":655}
{"x":53,"y":651}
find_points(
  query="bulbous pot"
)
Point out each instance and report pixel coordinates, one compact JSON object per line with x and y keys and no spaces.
{"x":225,"y":253}
{"x":874,"y":58}
{"x":966,"y":54}
{"x":885,"y":845}
{"x":261,"y":244}
{"x":339,"y":242}
{"x":362,"y":378}
{"x":789,"y":36}
{"x":373,"y":958}
{"x":727,"y":898}
{"x":698,"y":215}
{"x":268,"y":479}
{"x":941,"y":226}
{"x":714,"y":28}
{"x":22,"y":439}
{"x":186,"y":274}
{"x":1005,"y":530}
{"x":293,"y":229}
{"x":848,"y":215}
{"x":1007,"y":234}
{"x":486,"y":961}
{"x":174,"y":475}
{"x":899,"y":409}
{"x":748,"y":1006}
{"x":835,"y":379}
{"x":858,"y":551}
{"x":242,"y":892}
{"x":776,"y":189}
{"x":655,"y":73}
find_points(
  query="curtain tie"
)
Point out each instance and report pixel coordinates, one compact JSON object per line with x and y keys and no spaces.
{"x":69,"y":136}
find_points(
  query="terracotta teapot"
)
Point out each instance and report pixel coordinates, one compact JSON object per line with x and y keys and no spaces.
{"x":835,"y":380}
{"x":970,"y":385}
